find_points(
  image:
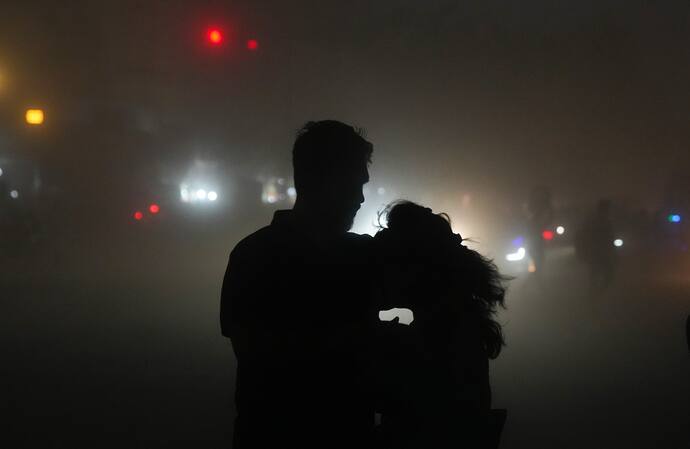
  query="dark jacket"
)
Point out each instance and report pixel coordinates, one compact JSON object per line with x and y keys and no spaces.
{"x":299,"y":314}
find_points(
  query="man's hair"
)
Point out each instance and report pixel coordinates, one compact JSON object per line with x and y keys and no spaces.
{"x":326,"y":148}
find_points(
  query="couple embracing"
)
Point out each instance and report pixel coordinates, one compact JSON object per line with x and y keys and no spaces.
{"x":300,"y":304}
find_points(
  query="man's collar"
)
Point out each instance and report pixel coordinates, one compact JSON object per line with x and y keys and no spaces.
{"x":289,"y":220}
{"x":283,"y":218}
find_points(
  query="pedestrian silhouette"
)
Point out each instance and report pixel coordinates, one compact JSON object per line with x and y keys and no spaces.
{"x":594,"y":246}
{"x":295,"y":303}
{"x":434,"y":373}
{"x":539,"y":218}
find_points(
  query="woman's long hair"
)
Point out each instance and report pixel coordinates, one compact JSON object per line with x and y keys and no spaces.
{"x":427,"y":237}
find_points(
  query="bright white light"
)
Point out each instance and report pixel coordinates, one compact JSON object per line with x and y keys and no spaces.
{"x":405,"y":316}
{"x":201,"y":194}
{"x":560,"y":230}
{"x":292,"y":192}
{"x":0,"y":171}
{"x":184,"y":194}
{"x":517,"y":255}
{"x":14,"y":194}
{"x":212,"y":196}
{"x":381,"y":191}
{"x":618,"y":243}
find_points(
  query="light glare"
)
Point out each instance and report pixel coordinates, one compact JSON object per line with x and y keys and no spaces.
{"x":215,"y":36}
{"x":34,"y":116}
{"x":516,"y":256}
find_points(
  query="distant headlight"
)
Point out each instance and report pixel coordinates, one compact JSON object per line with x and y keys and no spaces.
{"x":517,"y":255}
{"x":189,"y":194}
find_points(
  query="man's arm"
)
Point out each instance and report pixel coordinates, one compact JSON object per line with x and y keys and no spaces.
{"x":238,"y":294}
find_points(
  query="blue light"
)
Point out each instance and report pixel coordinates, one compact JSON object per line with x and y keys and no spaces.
{"x":674,"y":218}
{"x":518,"y":242}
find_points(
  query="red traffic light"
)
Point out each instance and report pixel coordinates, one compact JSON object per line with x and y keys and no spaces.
{"x":138,"y":215}
{"x":252,"y":44}
{"x":154,"y":208}
{"x":214,"y":36}
{"x":547,"y":235}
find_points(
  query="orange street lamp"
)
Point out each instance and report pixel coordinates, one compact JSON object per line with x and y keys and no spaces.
{"x":34,"y":116}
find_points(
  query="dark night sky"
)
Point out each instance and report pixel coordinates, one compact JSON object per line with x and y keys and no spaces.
{"x":589,"y":97}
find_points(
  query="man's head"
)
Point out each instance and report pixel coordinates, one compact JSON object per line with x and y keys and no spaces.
{"x":330,"y":161}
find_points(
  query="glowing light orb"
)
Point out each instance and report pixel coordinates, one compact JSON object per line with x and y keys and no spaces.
{"x":138,"y":215}
{"x":618,"y":243}
{"x":154,"y":208}
{"x":14,"y":194}
{"x":560,"y":230}
{"x":547,"y":235}
{"x":252,"y":44}
{"x":0,"y":171}
{"x":215,"y":37}
{"x":674,"y":218}
{"x":34,"y":116}
{"x":212,"y":196}
{"x":292,"y":192}
{"x":201,"y":194}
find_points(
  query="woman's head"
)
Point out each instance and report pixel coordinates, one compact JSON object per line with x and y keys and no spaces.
{"x":427,"y":266}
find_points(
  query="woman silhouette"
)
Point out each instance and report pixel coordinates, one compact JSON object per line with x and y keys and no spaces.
{"x":435,"y":372}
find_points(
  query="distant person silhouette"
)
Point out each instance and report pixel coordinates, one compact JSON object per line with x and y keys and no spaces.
{"x":296,"y":305}
{"x":539,"y":218}
{"x":434,"y":373}
{"x":594,"y":246}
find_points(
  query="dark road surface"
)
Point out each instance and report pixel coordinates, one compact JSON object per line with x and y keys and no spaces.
{"x":135,"y":358}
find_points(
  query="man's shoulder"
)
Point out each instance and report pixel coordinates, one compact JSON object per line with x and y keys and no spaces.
{"x":257,"y":241}
{"x":360,"y":241}
{"x":359,"y":237}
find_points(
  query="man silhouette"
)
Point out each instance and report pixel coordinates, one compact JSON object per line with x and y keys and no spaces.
{"x":295,"y":305}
